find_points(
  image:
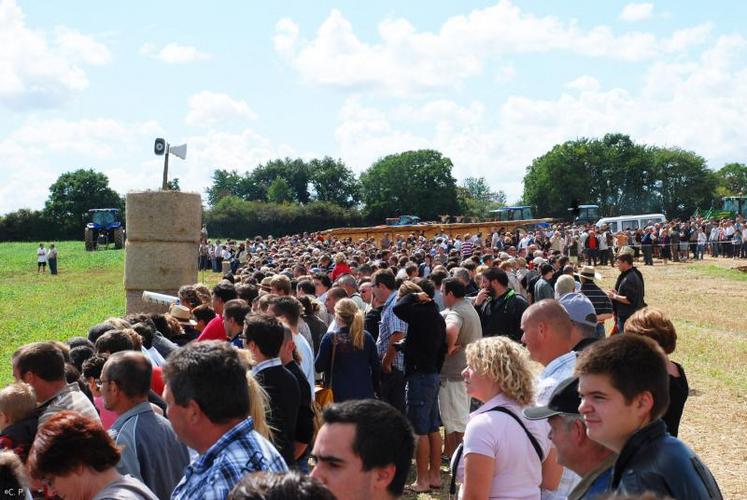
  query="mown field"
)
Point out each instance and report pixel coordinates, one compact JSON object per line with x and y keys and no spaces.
{"x":707,"y":300}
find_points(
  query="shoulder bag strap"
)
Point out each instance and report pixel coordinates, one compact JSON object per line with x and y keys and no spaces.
{"x":460,"y":448}
{"x":332,"y":364}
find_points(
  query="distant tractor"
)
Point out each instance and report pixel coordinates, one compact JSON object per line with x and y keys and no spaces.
{"x":104,"y":228}
{"x":403,"y":220}
{"x":584,"y":214}
{"x":734,"y":205}
{"x":521,"y":212}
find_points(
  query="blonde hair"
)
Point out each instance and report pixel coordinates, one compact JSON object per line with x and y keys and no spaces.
{"x":259,"y":407}
{"x":339,"y":257}
{"x":408,"y":287}
{"x":506,"y":363}
{"x":348,"y":314}
{"x":17,"y":401}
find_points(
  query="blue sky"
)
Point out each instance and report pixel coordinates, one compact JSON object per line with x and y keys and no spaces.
{"x":492,"y":85}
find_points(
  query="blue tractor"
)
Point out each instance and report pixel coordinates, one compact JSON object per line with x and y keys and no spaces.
{"x":104,"y":228}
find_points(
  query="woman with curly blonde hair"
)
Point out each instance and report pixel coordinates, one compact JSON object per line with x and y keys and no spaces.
{"x":503,"y":451}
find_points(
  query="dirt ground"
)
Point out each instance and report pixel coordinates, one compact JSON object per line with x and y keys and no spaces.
{"x":708,"y":303}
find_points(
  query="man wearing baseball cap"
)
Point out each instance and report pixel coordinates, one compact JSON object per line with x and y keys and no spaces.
{"x":587,"y":458}
{"x":583,"y":319}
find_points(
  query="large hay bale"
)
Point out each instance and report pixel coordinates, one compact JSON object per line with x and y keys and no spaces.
{"x":159,"y":265}
{"x":164,"y":216}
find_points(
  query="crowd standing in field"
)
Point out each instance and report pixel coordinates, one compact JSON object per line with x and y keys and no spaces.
{"x":320,"y":368}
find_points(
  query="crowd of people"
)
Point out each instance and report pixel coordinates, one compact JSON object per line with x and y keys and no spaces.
{"x":323,"y":368}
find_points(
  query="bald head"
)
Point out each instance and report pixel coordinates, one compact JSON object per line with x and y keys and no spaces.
{"x":552,"y":314}
{"x":547,"y":331}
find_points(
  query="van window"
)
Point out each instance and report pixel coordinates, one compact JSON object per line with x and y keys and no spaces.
{"x":629,"y":224}
{"x":613,"y":227}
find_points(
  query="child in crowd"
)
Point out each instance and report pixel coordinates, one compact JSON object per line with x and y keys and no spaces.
{"x":18,"y":418}
{"x":92,"y":368}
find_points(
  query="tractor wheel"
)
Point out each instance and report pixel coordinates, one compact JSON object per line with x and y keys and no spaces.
{"x":118,"y":238}
{"x":89,"y":240}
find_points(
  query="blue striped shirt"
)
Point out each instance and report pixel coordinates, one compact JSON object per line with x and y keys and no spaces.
{"x":241,"y":450}
{"x":390,"y":324}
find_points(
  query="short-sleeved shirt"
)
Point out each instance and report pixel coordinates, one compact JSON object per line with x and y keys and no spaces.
{"x":518,"y":469}
{"x":390,"y":324}
{"x":465,"y":317}
{"x":214,"y":330}
{"x":601,"y":302}
{"x":69,"y":398}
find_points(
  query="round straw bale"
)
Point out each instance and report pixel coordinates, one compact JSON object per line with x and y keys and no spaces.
{"x":159,"y":265}
{"x":164,"y":216}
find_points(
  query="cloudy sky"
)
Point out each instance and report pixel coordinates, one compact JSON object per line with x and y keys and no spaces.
{"x":90,"y":84}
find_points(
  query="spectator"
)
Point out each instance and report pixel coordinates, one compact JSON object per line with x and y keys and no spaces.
{"x":503,"y":450}
{"x":18,"y":418}
{"x":654,"y":324}
{"x":77,"y":459}
{"x":601,"y":302}
{"x":273,"y":486}
{"x":222,"y":293}
{"x":628,"y":295}
{"x":234,"y":313}
{"x":42,"y":365}
{"x":13,"y":482}
{"x":208,"y":407}
{"x":363,"y":450}
{"x":424,"y":349}
{"x":150,"y":450}
{"x":92,"y":368}
{"x":588,"y":459}
{"x":624,"y":389}
{"x":263,"y":337}
{"x":391,"y":330}
{"x":52,"y":259}
{"x":347,"y":356}
{"x":499,"y":307}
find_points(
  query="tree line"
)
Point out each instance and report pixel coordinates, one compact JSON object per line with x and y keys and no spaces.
{"x":284,"y":196}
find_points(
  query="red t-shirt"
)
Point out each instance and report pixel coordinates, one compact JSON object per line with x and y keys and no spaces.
{"x":156,"y":381}
{"x":214,"y":330}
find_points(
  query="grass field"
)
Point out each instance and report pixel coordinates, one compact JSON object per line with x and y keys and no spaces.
{"x":707,"y":300}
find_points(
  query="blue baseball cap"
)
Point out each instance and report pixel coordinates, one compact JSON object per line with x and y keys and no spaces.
{"x":579,"y":308}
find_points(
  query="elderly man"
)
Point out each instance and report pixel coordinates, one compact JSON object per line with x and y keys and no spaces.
{"x":587,"y":458}
{"x":208,"y":406}
{"x":548,"y":335}
{"x":151,"y":451}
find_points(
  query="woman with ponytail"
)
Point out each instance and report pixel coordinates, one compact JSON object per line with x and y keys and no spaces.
{"x":347,"y":356}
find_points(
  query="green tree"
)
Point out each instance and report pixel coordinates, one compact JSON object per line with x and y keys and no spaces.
{"x":279,"y":191}
{"x":415,"y":182}
{"x":295,"y":172}
{"x":684,"y":181}
{"x":732,"y":179}
{"x":476,"y":199}
{"x":334,"y":182}
{"x":612,"y":172}
{"x":173,"y":184}
{"x":73,"y":194}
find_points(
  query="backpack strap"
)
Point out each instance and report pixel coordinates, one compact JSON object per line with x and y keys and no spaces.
{"x":460,"y":449}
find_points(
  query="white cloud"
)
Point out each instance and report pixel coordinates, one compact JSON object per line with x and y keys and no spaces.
{"x":123,"y":151}
{"x":36,"y":72}
{"x":76,"y":45}
{"x":584,"y":83}
{"x":637,"y":12}
{"x":697,"y":105}
{"x":405,"y":60}
{"x":174,"y":53}
{"x":207,"y":109}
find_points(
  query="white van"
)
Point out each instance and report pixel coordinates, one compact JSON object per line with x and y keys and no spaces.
{"x":633,"y":222}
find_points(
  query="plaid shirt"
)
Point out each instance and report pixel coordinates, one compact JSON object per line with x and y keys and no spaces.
{"x":212,"y":475}
{"x":390,"y":323}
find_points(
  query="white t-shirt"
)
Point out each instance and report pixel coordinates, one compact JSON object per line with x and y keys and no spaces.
{"x":41,"y":255}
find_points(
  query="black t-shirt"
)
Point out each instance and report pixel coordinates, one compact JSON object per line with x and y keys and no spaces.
{"x":305,"y":420}
{"x":678,"y":392}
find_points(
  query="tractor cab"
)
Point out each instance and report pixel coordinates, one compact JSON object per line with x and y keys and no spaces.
{"x":521,"y":212}
{"x":584,"y":214}
{"x":735,"y":205}
{"x":105,"y":227}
